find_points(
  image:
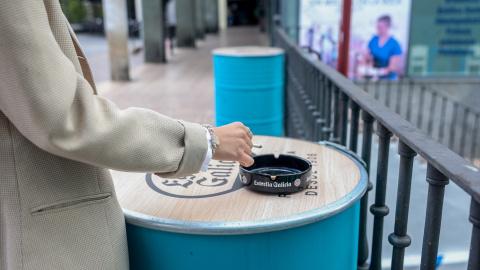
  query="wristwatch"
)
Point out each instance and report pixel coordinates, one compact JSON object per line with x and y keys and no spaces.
{"x":214,"y":138}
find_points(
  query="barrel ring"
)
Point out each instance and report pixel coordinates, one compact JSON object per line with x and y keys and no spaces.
{"x":257,"y":226}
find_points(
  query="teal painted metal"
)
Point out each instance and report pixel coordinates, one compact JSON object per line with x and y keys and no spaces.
{"x":322,"y":238}
{"x":249,"y":84}
{"x":328,"y":244}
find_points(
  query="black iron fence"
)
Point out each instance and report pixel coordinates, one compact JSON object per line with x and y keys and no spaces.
{"x":321,"y":104}
{"x":454,"y":124}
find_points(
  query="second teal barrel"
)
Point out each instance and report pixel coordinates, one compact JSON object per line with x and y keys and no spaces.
{"x":249,"y":88}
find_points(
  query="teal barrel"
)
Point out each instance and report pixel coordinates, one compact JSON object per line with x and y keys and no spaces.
{"x":211,"y":221}
{"x":327,"y":244}
{"x":249,"y":88}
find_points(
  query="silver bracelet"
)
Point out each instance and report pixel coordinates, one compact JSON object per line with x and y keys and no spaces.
{"x":215,"y":140}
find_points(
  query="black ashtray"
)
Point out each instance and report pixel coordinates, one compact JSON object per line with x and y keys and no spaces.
{"x":282,"y":175}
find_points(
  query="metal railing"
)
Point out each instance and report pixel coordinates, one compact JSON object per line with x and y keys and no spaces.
{"x":321,"y":104}
{"x":452,"y":123}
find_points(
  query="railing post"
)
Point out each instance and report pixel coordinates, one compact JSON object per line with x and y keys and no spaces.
{"x":377,"y":90}
{"x":433,"y":103}
{"x":367,"y":138}
{"x":379,"y":209}
{"x":441,"y":126}
{"x":454,"y":128}
{"x":473,"y":150}
{"x":320,"y":123}
{"x":420,"y":107}
{"x":344,"y":119}
{"x":316,"y":99}
{"x":303,"y":98}
{"x":312,"y":108}
{"x":410,"y":101}
{"x":474,"y":258}
{"x":354,"y":126}
{"x":433,"y":218}
{"x":388,"y":93}
{"x":399,"y":95}
{"x":308,"y":103}
{"x":334,"y":135}
{"x":366,"y":153}
{"x":327,"y":129}
{"x":463,"y":135}
{"x":399,"y":238}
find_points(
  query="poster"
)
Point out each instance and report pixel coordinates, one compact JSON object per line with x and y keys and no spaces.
{"x":379,"y":39}
{"x":378,"y":35}
{"x":445,"y":38}
{"x":319,"y":29}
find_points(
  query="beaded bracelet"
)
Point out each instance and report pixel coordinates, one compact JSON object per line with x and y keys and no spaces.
{"x":215,"y":140}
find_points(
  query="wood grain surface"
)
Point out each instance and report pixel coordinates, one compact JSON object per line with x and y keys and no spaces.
{"x":217,"y":195}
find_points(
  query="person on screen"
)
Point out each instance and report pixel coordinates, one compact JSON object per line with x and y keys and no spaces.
{"x":385,"y":50}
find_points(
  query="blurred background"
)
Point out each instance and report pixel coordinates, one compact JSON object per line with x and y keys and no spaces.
{"x":157,"y":55}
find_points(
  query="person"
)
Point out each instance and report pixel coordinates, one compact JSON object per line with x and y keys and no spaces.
{"x":171,"y":22}
{"x":385,"y":50}
{"x":58,"y":207}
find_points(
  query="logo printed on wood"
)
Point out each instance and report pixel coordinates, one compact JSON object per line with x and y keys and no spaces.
{"x":221,"y":178}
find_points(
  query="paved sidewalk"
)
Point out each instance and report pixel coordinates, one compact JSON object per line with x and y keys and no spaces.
{"x":182,"y":88}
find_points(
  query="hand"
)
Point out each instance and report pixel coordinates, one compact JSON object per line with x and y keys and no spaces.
{"x":384,"y":71}
{"x":235,"y":144}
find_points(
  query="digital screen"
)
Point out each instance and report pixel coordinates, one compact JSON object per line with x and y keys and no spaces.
{"x":445,"y":38}
{"x":378,"y":35}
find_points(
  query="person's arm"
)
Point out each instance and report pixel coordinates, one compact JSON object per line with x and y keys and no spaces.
{"x":367,"y":53}
{"x":393,"y":64}
{"x":395,"y":59}
{"x":54,"y":107}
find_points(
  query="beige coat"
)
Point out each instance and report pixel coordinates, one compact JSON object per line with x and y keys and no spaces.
{"x":58,"y":208}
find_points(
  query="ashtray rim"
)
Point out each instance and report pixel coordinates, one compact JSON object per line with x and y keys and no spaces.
{"x":286,"y":183}
{"x":308,"y":163}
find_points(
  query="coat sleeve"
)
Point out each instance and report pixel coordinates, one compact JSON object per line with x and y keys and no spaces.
{"x":54,"y":107}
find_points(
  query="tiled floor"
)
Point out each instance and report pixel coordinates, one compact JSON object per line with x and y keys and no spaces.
{"x":182,"y":88}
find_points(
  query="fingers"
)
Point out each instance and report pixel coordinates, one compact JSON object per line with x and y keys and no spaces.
{"x":247,"y":137}
{"x":247,"y":144}
{"x":247,"y":149}
{"x":249,"y":133}
{"x":246,"y":160}
{"x":248,"y":140}
{"x":236,"y":143}
{"x":246,"y":129}
{"x":243,"y":126}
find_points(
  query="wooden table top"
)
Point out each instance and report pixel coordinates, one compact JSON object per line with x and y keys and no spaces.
{"x":218,"y":196}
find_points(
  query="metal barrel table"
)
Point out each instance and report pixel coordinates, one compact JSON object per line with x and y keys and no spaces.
{"x":249,"y":87}
{"x":210,"y":221}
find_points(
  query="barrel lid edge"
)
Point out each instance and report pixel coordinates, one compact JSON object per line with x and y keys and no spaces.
{"x":253,"y":226}
{"x":247,"y":51}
